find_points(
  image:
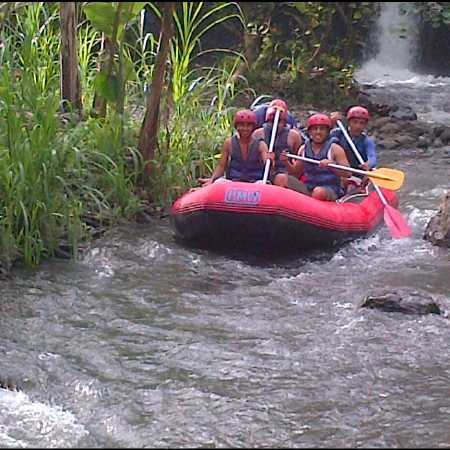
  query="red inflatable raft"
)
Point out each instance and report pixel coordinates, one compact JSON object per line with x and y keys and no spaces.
{"x":230,"y":212}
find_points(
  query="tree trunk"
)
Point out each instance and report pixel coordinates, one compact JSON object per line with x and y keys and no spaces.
{"x":149,"y":131}
{"x":70,"y":77}
{"x":252,"y":49}
{"x":105,"y":59}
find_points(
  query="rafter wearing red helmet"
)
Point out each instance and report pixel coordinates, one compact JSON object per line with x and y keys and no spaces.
{"x":357,"y":121}
{"x":287,"y":140}
{"x":242,"y":157}
{"x":322,"y":182}
{"x":261,"y":112}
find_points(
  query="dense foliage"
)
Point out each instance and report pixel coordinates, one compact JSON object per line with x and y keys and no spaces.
{"x":433,"y":19}
{"x":309,"y":49}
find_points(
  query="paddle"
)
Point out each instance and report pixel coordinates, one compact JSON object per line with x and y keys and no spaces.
{"x":388,"y":178}
{"x":272,"y":142}
{"x":392,"y":217}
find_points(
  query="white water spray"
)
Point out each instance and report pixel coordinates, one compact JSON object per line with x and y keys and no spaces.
{"x":396,"y":32}
{"x":390,"y":75}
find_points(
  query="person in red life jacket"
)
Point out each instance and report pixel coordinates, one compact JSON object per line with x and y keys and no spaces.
{"x":287,"y":140}
{"x":243,"y":156}
{"x":322,"y":182}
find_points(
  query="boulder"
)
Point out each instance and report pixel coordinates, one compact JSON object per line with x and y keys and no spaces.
{"x":402,"y":301}
{"x":437,"y":230}
{"x":403,"y":113}
{"x":445,"y":136}
{"x":9,"y":384}
{"x":388,"y":144}
{"x":406,"y":140}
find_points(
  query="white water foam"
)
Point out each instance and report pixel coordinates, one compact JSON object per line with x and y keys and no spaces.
{"x":26,"y":422}
{"x":397,"y":36}
{"x":390,"y":74}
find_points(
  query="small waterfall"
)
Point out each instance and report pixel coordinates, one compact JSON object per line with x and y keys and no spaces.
{"x":397,"y":38}
{"x":390,"y":77}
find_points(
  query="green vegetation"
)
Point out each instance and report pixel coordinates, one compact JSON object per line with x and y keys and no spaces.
{"x":433,"y":19}
{"x":54,"y":170}
{"x":310,"y":47}
{"x":61,"y":172}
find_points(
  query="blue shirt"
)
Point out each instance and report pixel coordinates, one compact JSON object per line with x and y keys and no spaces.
{"x":364,"y":144}
{"x":260,"y":112}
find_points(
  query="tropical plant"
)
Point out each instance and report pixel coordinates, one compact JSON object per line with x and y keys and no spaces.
{"x":111,"y":18}
{"x":53,"y":173}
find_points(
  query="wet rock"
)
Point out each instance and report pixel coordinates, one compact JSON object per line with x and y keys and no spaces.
{"x":142,"y":217}
{"x":388,"y":143}
{"x":64,"y":251}
{"x":437,"y":143}
{"x":437,"y":230}
{"x":381,"y":109}
{"x":422,"y":142}
{"x":403,"y":113}
{"x":391,"y":128}
{"x":445,"y":136}
{"x":402,"y":302}
{"x":9,"y":384}
{"x":437,"y":130}
{"x":405,"y":140}
{"x":378,"y":122}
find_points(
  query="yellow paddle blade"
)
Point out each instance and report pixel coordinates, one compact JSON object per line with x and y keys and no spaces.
{"x":388,"y":178}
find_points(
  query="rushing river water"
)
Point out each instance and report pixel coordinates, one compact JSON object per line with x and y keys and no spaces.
{"x":146,"y":343}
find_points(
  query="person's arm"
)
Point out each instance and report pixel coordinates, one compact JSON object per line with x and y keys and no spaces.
{"x":221,"y":165}
{"x":297,"y":167}
{"x":295,"y":140}
{"x":334,"y":117}
{"x":258,"y":133}
{"x":371,"y":152}
{"x":264,"y":151}
{"x":299,"y":164}
{"x":339,"y":157}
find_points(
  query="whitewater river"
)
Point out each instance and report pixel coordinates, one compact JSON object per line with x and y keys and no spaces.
{"x":145,"y":343}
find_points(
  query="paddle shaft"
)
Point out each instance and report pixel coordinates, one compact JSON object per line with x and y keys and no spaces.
{"x":337,"y":166}
{"x":361,"y":161}
{"x":272,"y":142}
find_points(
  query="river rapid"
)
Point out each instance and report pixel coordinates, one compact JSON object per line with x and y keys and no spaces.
{"x":146,"y":343}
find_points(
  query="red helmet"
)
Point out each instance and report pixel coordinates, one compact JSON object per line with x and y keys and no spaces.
{"x":244,"y":116}
{"x":318,"y":119}
{"x":271,"y":110}
{"x":279,"y":103}
{"x":357,"y":112}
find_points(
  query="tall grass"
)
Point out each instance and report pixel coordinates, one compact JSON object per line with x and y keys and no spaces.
{"x":89,"y":41}
{"x":53,"y":174}
{"x":189,"y":143}
{"x":192,"y":22}
{"x":201,"y":99}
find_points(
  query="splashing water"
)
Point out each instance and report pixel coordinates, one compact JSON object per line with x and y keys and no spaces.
{"x":390,"y":74}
